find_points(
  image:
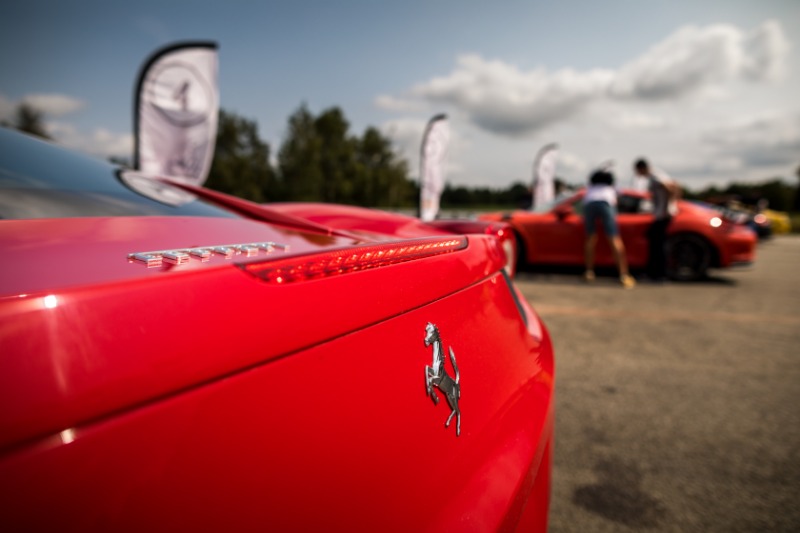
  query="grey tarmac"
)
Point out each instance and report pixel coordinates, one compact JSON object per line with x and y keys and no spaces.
{"x":678,"y":405}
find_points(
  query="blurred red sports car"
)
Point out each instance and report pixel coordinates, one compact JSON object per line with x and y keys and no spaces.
{"x":175,"y":359}
{"x":699,"y":238}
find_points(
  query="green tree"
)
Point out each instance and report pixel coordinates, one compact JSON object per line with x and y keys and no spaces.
{"x":777,"y":193}
{"x":299,"y":158}
{"x":337,"y":157}
{"x":796,"y":205}
{"x":320,"y":160}
{"x":520,"y":196}
{"x":28,"y":119}
{"x":241,"y":164}
{"x":457,"y":196}
{"x":382,"y":175}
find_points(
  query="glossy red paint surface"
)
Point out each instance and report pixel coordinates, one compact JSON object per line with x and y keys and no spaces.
{"x":202,"y":397}
{"x":377,"y":225}
{"x":76,"y":367}
{"x":341,"y":434}
{"x":50,"y":254}
{"x":556,"y":237}
{"x":72,"y":368}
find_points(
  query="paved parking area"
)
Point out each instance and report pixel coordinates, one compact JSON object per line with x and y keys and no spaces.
{"x":678,"y":406}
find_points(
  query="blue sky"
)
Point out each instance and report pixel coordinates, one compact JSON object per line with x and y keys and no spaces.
{"x":705,"y":89}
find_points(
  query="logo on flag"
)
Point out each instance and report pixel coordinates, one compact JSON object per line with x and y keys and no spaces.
{"x":176,"y":112}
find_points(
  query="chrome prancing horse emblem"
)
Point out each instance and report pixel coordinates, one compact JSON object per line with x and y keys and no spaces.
{"x":436,"y":375}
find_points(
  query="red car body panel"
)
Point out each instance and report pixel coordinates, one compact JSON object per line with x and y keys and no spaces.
{"x":313,"y":449}
{"x":557,"y":236}
{"x":375,"y":224}
{"x":206,"y":396}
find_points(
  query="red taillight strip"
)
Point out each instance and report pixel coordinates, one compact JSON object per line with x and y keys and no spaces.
{"x":333,"y":263}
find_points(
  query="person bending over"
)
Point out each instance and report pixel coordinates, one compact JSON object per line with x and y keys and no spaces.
{"x":600,"y":206}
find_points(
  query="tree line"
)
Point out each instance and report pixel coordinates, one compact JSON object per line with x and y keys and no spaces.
{"x":779,"y":195}
{"x":28,"y":119}
{"x":320,"y":160}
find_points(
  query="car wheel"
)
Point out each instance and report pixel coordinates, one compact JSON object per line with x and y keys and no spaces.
{"x":688,"y":257}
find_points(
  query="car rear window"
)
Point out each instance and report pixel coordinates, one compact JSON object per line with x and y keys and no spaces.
{"x":41,"y":180}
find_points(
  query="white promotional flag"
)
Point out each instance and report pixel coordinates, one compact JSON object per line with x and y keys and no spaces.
{"x":177,"y":104}
{"x":544,"y":173}
{"x":433,"y":154}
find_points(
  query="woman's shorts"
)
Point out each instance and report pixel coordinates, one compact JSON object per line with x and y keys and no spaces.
{"x":602,"y":211}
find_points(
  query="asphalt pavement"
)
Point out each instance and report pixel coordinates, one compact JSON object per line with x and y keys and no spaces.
{"x":678,"y":405}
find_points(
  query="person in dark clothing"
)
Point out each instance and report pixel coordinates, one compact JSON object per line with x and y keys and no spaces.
{"x":664,"y":194}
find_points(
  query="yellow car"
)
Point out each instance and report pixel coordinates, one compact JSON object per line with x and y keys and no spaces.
{"x":779,"y":221}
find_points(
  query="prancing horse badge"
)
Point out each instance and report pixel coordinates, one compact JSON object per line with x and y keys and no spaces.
{"x":436,"y":376}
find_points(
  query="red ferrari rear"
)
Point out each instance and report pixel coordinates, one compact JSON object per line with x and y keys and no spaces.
{"x":260,"y":372}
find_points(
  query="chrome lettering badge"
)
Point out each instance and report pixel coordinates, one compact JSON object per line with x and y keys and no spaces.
{"x":180,"y":256}
{"x":437,"y":376}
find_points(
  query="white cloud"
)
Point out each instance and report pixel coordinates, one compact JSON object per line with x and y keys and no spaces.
{"x":638,"y":120}
{"x":54,"y":104}
{"x":406,"y":135}
{"x":765,"y":140}
{"x":571,"y":164}
{"x":693,"y":58}
{"x":99,"y":143}
{"x":391,"y":103}
{"x":688,"y":167}
{"x":746,"y":149}
{"x":767,"y":49}
{"x":687,"y":60}
{"x":501,"y":98}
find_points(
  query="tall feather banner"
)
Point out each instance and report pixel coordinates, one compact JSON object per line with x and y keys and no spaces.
{"x":176,"y":111}
{"x":433,"y":154}
{"x":544,"y":173}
